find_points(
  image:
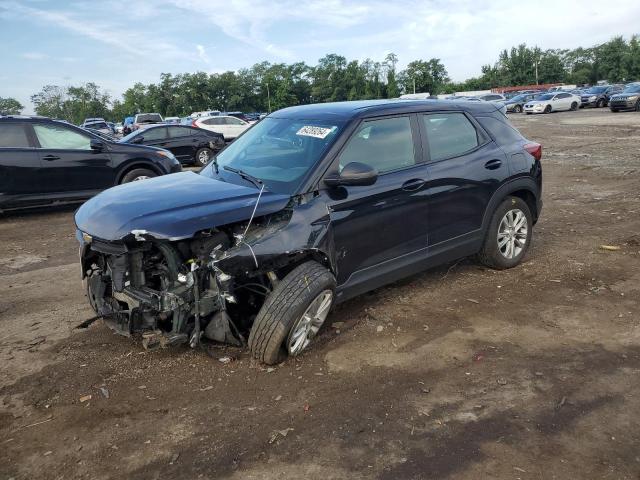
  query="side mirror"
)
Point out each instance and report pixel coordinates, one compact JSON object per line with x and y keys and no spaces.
{"x":96,"y":145}
{"x":354,"y":173}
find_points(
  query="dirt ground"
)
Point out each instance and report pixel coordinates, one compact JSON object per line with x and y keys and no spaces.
{"x":460,"y":372}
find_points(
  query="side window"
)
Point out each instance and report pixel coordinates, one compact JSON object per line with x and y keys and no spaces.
{"x":176,"y":132}
{"x":13,"y":135}
{"x":503,"y":133}
{"x":449,"y":135}
{"x":213,"y":121}
{"x":563,"y":95}
{"x":61,"y":138}
{"x":234,"y":121}
{"x":154,"y":134}
{"x":385,"y":144}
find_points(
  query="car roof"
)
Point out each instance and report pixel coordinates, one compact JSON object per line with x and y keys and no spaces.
{"x":370,"y":108}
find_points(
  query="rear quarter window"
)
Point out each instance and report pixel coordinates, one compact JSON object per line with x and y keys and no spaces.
{"x":503,"y":133}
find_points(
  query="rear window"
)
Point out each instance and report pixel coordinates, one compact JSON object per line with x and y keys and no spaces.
{"x":13,"y":135}
{"x":503,"y":133}
{"x":148,"y":118}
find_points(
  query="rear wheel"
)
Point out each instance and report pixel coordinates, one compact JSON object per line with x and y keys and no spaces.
{"x":137,"y":175}
{"x":547,"y":109}
{"x":293,"y":313}
{"x":518,"y":109}
{"x":508,"y":236}
{"x":203,"y":156}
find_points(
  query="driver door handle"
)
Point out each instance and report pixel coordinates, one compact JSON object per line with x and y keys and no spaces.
{"x":50,"y":158}
{"x":413,"y":184}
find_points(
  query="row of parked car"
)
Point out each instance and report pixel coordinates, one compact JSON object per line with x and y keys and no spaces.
{"x":616,"y":97}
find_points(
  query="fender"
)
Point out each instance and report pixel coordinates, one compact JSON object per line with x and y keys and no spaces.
{"x":523,"y":183}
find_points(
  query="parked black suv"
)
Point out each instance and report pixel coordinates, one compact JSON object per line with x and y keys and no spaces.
{"x":628,"y":99}
{"x":313,"y":205}
{"x":189,"y":145}
{"x":45,"y":161}
{"x":599,"y":96}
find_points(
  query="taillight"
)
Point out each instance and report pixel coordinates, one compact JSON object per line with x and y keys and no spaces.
{"x":534,"y":149}
{"x":194,"y":124}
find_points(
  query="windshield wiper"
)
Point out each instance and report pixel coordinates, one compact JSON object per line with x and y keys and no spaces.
{"x":256,"y":181}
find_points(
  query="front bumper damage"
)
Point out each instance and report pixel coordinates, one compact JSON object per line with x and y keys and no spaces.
{"x":211,"y":286}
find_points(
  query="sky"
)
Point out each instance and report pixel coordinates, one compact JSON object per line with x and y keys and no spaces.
{"x":115,"y":43}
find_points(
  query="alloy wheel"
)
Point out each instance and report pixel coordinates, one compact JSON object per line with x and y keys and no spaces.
{"x":203,"y":157}
{"x":309,"y":323}
{"x":140,"y":177}
{"x":512,"y":233}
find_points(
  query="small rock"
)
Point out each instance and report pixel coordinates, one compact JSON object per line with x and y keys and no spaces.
{"x":539,"y":374}
{"x":224,"y":360}
{"x":379,"y":328}
{"x":337,"y":325}
{"x":425,"y":390}
{"x":85,"y":398}
{"x":472,"y":300}
{"x":174,"y":458}
{"x":278,"y":398}
{"x":270,"y":369}
{"x":501,"y":381}
{"x":207,"y":388}
{"x":105,"y":392}
{"x":47,"y":453}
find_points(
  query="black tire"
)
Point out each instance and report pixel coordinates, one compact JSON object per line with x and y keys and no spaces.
{"x":518,"y":109}
{"x":614,"y":110}
{"x":547,"y":109}
{"x":284,"y":307}
{"x":490,"y":254}
{"x":528,"y":113}
{"x":600,"y":103}
{"x":203,"y":156}
{"x":574,"y":106}
{"x":638,"y":106}
{"x":138,"y":174}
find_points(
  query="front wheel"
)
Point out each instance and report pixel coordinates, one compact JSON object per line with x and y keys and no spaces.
{"x":638,"y":106}
{"x":137,"y":175}
{"x":293,"y":313}
{"x":600,"y":103}
{"x":517,"y":109}
{"x":574,"y":106}
{"x":203,"y":156}
{"x":547,"y":109}
{"x":614,"y":110}
{"x":508,"y":235}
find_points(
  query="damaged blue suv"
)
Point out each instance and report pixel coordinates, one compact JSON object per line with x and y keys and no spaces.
{"x":311,"y":206}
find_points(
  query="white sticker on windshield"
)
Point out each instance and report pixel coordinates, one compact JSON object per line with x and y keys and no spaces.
{"x":315,"y":132}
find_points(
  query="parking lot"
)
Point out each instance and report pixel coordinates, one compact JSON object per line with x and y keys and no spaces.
{"x":460,"y":372}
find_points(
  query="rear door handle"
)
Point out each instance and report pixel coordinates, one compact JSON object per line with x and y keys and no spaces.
{"x":413,"y":184}
{"x":493,"y":164}
{"x":50,"y":158}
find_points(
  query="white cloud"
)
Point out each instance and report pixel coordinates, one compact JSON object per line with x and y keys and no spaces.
{"x":202,"y":53}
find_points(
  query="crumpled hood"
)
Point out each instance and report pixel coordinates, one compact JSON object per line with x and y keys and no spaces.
{"x":172,"y":206}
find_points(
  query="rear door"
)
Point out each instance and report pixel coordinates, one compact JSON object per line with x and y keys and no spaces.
{"x":155,"y":137}
{"x":19,"y":163}
{"x":69,"y":165}
{"x":564,"y":101}
{"x":234,"y":127}
{"x":182,"y":143}
{"x":465,"y":167}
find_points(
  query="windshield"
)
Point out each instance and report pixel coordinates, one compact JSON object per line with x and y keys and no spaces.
{"x":127,"y":138}
{"x":596,"y":90}
{"x":632,"y":89}
{"x":278,"y":151}
{"x":545,"y":96}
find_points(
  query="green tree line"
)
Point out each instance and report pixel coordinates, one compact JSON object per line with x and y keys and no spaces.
{"x":270,"y":86}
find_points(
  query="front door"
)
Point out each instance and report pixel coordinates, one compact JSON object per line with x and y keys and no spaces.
{"x":378,"y":224}
{"x":69,"y":163}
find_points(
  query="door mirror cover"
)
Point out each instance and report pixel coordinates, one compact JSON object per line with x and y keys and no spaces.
{"x":96,"y":145}
{"x":354,"y":173}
